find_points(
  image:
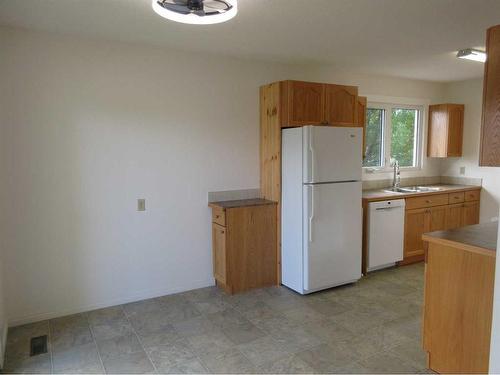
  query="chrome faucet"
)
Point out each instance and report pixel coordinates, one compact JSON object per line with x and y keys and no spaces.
{"x":396,"y":181}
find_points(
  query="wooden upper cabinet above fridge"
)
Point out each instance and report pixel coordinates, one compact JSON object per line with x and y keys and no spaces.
{"x":490,"y":130}
{"x":446,"y":127}
{"x":311,"y":103}
{"x":302,"y":103}
{"x":341,"y":105}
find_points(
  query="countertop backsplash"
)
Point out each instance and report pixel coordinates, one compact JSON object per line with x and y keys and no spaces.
{"x":432,"y":180}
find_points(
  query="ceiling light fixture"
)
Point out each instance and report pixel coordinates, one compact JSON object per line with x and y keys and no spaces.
{"x":472,"y":54}
{"x":198,"y":12}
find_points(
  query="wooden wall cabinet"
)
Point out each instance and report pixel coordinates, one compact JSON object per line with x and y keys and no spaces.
{"x":445,"y":135}
{"x":310,"y":103}
{"x":341,"y":105}
{"x":361,"y":118}
{"x":244,"y":241}
{"x":489,"y":155}
{"x":305,"y":103}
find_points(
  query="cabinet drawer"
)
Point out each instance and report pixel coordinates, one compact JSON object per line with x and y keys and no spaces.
{"x":457,"y":197}
{"x":427,"y":201}
{"x":472,"y":195}
{"x":219,"y":216}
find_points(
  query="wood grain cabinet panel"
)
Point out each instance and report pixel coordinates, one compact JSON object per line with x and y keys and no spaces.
{"x":471,"y":213}
{"x":438,"y":218}
{"x":490,"y":128}
{"x":219,"y":252}
{"x":472,"y":195}
{"x":304,"y":103}
{"x":341,"y":105}
{"x":436,"y":212}
{"x":244,"y":251}
{"x":417,"y":222}
{"x":454,"y":216}
{"x":458,"y":309}
{"x":445,"y":135}
{"x":427,"y":201}
{"x":361,"y":119}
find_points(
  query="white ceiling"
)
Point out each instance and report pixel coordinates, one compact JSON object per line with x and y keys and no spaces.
{"x":406,"y":38}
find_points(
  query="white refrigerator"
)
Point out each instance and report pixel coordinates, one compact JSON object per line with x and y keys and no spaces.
{"x":321,"y":210}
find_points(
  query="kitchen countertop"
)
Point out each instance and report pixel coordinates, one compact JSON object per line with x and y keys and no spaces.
{"x":241,"y":203}
{"x":381,"y":194}
{"x":479,"y":238}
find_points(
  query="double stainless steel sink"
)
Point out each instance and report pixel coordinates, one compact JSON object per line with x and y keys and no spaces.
{"x":413,"y":189}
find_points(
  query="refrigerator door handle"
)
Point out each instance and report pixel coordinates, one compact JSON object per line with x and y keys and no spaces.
{"x":311,"y":216}
{"x":311,"y":151}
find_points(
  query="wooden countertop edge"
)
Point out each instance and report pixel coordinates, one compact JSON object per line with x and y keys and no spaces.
{"x":253,"y":202}
{"x":393,"y":196}
{"x":460,"y":245}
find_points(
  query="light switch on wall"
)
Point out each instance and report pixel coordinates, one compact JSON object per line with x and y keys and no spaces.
{"x":141,"y":205}
{"x":462,"y":170}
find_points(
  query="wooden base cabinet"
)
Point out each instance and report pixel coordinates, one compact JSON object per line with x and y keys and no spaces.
{"x":458,"y":300}
{"x":244,"y":241}
{"x":433,"y":213}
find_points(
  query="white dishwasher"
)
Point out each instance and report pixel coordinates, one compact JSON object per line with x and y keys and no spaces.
{"x":386,"y":221}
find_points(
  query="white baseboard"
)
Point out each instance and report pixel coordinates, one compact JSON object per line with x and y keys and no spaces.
{"x":138,"y":296}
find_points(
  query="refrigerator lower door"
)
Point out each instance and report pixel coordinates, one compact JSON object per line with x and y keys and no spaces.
{"x":332,"y":154}
{"x":332,"y":223}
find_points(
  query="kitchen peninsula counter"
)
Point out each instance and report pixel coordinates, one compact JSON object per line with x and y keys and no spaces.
{"x":458,"y":306}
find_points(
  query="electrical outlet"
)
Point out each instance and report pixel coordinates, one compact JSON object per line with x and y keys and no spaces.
{"x":462,"y":170}
{"x":494,"y":219}
{"x":141,"y":205}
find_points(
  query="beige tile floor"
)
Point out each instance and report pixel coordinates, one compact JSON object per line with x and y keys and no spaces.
{"x":372,"y":326}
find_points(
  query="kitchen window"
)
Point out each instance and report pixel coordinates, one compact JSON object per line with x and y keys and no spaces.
{"x":393,"y":131}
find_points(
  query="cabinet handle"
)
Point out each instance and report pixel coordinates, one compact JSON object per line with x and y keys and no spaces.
{"x":222,"y":232}
{"x":456,"y":197}
{"x":428,"y":201}
{"x":217,"y":216}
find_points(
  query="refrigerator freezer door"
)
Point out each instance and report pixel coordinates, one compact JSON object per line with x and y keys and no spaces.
{"x":332,"y":234}
{"x":332,"y":154}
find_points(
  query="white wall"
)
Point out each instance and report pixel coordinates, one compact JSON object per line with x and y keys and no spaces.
{"x":96,"y":125}
{"x":4,"y":213}
{"x":470,"y":93}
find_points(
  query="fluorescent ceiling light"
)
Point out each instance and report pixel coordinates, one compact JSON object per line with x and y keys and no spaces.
{"x":197,"y":12}
{"x":472,"y":54}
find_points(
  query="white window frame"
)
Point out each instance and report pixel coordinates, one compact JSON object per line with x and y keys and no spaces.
{"x":387,"y":132}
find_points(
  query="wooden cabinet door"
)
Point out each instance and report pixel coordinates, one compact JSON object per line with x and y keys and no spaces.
{"x":446,"y":126}
{"x":437,"y":133}
{"x":438,"y":218}
{"x":361,"y":119}
{"x":455,"y":129}
{"x":417,"y":222}
{"x":454,"y":216}
{"x":306,"y":102}
{"x":219,"y":252}
{"x":489,"y":154}
{"x":341,"y":105}
{"x":471,"y":213}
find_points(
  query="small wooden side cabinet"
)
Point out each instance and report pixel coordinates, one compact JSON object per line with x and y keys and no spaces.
{"x":244,"y":243}
{"x":446,"y":127}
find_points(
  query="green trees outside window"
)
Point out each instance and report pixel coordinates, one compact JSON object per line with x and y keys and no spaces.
{"x":393,"y":136}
